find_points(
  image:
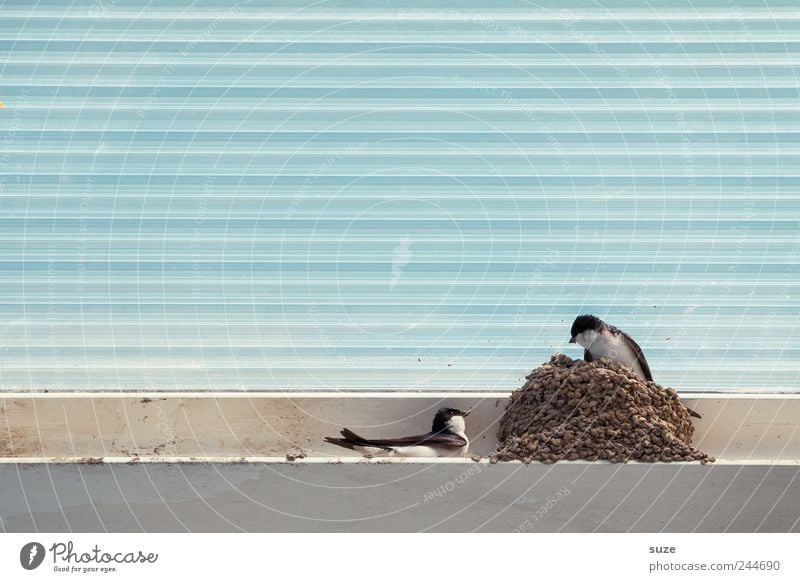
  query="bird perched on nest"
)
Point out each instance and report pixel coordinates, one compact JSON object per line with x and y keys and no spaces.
{"x":446,"y":438}
{"x":601,"y":340}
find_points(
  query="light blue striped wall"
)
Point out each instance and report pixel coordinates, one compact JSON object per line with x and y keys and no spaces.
{"x":395,"y":195}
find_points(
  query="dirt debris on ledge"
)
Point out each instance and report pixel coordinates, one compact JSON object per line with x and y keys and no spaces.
{"x":295,"y":455}
{"x":575,"y":410}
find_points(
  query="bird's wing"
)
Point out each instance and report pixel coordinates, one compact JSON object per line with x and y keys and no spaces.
{"x":636,"y":350}
{"x":340,"y":442}
{"x":587,"y":356}
{"x":440,"y":439}
{"x":352,"y":440}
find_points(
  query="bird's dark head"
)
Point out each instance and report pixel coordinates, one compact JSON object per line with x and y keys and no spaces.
{"x":584,"y":323}
{"x":449,"y":419}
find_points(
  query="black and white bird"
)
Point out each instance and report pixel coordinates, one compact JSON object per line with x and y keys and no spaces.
{"x":446,"y":438}
{"x":601,"y":340}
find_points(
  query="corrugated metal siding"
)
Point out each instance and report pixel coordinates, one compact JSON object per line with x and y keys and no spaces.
{"x":384,"y":195}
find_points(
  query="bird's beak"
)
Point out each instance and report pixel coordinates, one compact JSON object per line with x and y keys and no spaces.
{"x":466,"y":413}
{"x":572,"y":340}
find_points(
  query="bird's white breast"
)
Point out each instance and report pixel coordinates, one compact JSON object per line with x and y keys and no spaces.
{"x":613,"y":347}
{"x":457,"y":425}
{"x":419,"y":451}
{"x":412,"y":451}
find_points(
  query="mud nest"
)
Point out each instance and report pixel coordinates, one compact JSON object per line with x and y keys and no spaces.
{"x":571,"y":409}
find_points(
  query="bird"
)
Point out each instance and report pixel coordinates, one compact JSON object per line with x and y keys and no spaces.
{"x":602,"y":340}
{"x":447,"y":437}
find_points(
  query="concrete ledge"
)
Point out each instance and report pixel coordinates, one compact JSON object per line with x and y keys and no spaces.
{"x":408,"y":496}
{"x":204,"y":426}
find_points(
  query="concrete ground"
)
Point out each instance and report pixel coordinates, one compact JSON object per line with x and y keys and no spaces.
{"x":310,"y":496}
